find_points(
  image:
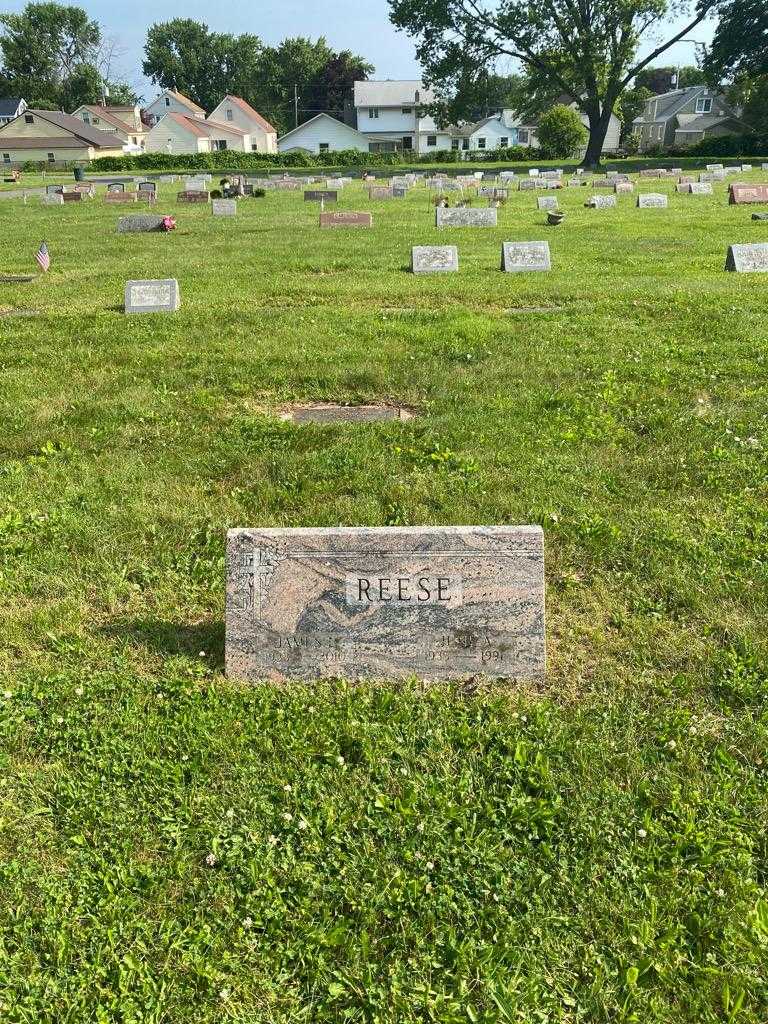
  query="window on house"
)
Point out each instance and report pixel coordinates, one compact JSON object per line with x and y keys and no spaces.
{"x":96,"y":120}
{"x":704,"y":105}
{"x":504,"y":141}
{"x":465,"y":143}
{"x":219,"y":144}
{"x":87,"y":118}
{"x":431,"y":140}
{"x":407,"y":142}
{"x":481,"y":143}
{"x":407,"y":110}
{"x":324,"y":147}
{"x":51,"y":158}
{"x":522,"y":137}
{"x":167,"y":101}
{"x":29,"y":119}
{"x":229,"y":115}
{"x":6,"y":158}
{"x":454,"y":143}
{"x":254,"y":147}
{"x":373,"y":112}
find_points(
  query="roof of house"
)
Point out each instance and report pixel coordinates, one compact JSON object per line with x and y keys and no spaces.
{"x":50,"y":142}
{"x":9,"y":105}
{"x":202,"y":129}
{"x":232,"y":128}
{"x":106,"y":114}
{"x":192,"y":124}
{"x":328,"y":118}
{"x":701,"y":124}
{"x":72,"y":125}
{"x":391,"y":93}
{"x":181,"y":98}
{"x":667,"y":104}
{"x":248,"y":110}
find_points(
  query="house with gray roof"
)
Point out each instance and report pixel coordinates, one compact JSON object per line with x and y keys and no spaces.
{"x":684,"y":117}
{"x":11,"y":107}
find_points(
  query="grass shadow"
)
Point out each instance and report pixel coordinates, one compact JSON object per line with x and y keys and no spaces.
{"x":173,"y":638}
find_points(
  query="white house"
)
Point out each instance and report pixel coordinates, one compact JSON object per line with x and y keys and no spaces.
{"x":322,"y":134}
{"x":11,"y":107}
{"x":235,"y":111}
{"x":176,"y":133}
{"x":389,"y":114}
{"x":171,"y":102}
{"x":494,"y":132}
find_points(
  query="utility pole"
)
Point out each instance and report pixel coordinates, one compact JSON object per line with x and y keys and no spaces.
{"x":296,"y":106}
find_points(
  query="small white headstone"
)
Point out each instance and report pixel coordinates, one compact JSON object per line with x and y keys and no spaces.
{"x":224,"y":207}
{"x":520,"y":257}
{"x":652,"y":200}
{"x":152,"y":296}
{"x":434,"y":259}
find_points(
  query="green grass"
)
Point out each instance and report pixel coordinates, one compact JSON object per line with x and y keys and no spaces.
{"x":176,"y":847}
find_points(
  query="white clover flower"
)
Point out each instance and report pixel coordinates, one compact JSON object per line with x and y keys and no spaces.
{"x":224,"y":995}
{"x":430,"y":866}
{"x":247,"y":922}
{"x":8,"y":694}
{"x":287,"y":817}
{"x":287,"y":787}
{"x":79,"y":691}
{"x":672,"y":745}
{"x":211,"y":860}
{"x":201,"y":654}
{"x":339,"y":759}
{"x":272,"y":840}
{"x":303,"y":824}
{"x":230,"y":813}
{"x":642,"y":833}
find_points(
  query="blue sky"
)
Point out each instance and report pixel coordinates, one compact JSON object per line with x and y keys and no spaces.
{"x":359,"y":25}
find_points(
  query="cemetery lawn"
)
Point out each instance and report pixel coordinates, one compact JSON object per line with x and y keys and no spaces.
{"x":177,"y":847}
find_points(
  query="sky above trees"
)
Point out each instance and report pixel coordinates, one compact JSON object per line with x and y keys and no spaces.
{"x":363,"y":28}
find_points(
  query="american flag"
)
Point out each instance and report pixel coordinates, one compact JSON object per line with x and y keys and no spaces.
{"x":43,"y":257}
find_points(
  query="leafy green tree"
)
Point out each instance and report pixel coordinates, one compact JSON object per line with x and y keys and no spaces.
{"x":186,"y":55}
{"x":755,"y":112}
{"x":664,"y":79}
{"x":587,"y":51}
{"x":51,"y":55}
{"x":740,"y":46}
{"x":335,"y":81}
{"x":630,"y":105}
{"x":561,"y":133}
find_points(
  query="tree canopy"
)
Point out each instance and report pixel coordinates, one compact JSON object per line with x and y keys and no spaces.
{"x":586,"y":51}
{"x":54,"y":56}
{"x":740,"y":46}
{"x":298,"y":73}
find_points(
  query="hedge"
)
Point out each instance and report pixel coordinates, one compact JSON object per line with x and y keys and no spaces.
{"x":227,"y":159}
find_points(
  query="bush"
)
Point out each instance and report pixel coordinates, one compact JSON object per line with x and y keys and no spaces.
{"x":561,"y":133}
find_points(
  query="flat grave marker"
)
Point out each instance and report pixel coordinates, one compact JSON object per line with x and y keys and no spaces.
{"x":315,"y":195}
{"x":386,"y":603}
{"x":546,"y":203}
{"x":53,"y":199}
{"x":152,"y":296}
{"x":346,"y":219}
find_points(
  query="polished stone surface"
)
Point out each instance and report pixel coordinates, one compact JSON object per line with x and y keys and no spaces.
{"x":433,"y":602}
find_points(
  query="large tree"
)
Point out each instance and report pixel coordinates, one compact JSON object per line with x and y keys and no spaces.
{"x":298,"y":77}
{"x":740,"y":46}
{"x":587,"y":49}
{"x":53,"y":56}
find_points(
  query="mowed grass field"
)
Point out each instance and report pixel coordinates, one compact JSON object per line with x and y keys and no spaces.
{"x":177,"y":847}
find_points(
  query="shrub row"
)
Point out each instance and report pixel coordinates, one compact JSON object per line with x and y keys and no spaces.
{"x":227,"y":159}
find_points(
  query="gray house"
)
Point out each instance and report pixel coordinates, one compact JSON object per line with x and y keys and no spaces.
{"x":685,"y":117}
{"x":11,"y":107}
